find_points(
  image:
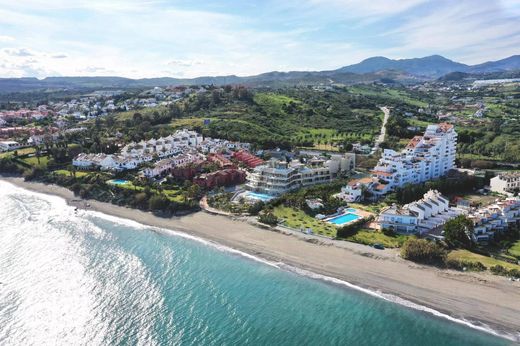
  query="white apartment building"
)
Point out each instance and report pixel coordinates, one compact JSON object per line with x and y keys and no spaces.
{"x":425,"y":157}
{"x":421,"y":216}
{"x":9,"y":145}
{"x":505,"y":183}
{"x":277,"y":177}
{"x":494,"y":218}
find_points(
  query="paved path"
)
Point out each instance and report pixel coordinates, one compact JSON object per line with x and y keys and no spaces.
{"x":381,"y":138}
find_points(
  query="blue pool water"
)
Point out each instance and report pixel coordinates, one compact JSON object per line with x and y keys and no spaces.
{"x":260,"y":196}
{"x":340,"y":220}
{"x":119,"y":182}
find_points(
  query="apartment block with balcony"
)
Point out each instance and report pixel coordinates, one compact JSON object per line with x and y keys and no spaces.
{"x":425,"y":157}
{"x":277,"y":177}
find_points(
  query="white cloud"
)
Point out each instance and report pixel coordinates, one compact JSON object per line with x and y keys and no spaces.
{"x":361,"y":8}
{"x":5,"y":38}
{"x":18,"y":52}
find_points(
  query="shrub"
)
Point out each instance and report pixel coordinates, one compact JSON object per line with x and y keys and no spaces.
{"x":158,"y":202}
{"x":389,"y":232}
{"x":498,"y":270}
{"x":256,"y":208}
{"x":268,"y":219}
{"x":461,"y":264}
{"x":423,"y":251}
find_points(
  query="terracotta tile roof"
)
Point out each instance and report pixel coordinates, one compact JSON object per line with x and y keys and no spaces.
{"x":385,"y":174}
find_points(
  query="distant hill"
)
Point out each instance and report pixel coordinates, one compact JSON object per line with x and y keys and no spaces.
{"x":507,"y":64}
{"x":369,"y":70}
{"x":433,"y":66}
{"x":430,"y":66}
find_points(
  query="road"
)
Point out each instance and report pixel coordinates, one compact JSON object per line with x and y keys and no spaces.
{"x":381,"y":138}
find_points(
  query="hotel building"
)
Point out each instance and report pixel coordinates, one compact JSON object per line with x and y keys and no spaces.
{"x":277,"y":177}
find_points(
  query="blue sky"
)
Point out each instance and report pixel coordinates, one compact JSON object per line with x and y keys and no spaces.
{"x":150,"y":38}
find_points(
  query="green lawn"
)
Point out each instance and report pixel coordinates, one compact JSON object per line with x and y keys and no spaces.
{"x":122,"y":116}
{"x":515,"y":250}
{"x":22,"y":151}
{"x":174,"y":195}
{"x":33,"y":161}
{"x":79,"y":174}
{"x":465,"y":255}
{"x":272,"y":102}
{"x":298,"y":219}
{"x":188,"y":122}
{"x":368,"y":237}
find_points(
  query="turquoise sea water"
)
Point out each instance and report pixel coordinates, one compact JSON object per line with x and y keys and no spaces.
{"x":83,"y":278}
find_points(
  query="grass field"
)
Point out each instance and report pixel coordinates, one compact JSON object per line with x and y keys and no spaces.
{"x":298,"y":219}
{"x":465,"y":255}
{"x":122,"y":116}
{"x":33,"y":161}
{"x":22,"y":151}
{"x":79,"y":174}
{"x":368,"y":237}
{"x":272,"y":102}
{"x":515,"y":250}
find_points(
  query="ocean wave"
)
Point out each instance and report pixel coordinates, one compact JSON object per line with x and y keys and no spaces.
{"x":312,"y":275}
{"x":282,"y":266}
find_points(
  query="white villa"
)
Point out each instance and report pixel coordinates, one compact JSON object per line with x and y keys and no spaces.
{"x":165,"y":165}
{"x":277,"y":177}
{"x":505,"y":183}
{"x":215,"y":145}
{"x":105,"y":162}
{"x":9,"y":145}
{"x":420,"y":216}
{"x":353,"y":191}
{"x":425,"y":157}
{"x":496,"y":217}
{"x":164,"y":146}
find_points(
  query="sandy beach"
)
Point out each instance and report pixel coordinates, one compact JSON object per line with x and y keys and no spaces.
{"x":475,"y":297}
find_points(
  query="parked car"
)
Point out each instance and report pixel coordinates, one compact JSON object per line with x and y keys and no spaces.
{"x":379,"y":246}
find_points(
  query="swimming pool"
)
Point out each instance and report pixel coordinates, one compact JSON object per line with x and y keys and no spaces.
{"x":345,"y":218}
{"x":118,"y":181}
{"x":261,"y":196}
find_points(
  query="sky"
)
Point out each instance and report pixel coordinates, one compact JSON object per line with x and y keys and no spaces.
{"x":190,"y":38}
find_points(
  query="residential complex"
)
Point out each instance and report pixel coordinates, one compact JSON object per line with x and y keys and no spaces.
{"x":425,"y":157}
{"x":496,"y":217}
{"x":421,"y":216}
{"x":505,"y":183}
{"x":277,"y":177}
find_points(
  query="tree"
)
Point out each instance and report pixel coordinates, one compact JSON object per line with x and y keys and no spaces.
{"x":457,"y":232}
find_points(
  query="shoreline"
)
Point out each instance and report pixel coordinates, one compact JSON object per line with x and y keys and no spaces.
{"x":481,"y":299}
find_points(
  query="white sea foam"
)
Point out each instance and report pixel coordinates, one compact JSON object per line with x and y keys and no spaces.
{"x":283,"y":266}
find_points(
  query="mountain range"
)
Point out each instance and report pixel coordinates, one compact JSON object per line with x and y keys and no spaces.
{"x":368,"y":70}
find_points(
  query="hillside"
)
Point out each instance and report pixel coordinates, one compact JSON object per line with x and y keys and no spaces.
{"x":369,"y":70}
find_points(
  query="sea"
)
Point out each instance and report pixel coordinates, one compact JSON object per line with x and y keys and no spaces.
{"x":84,"y":278}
